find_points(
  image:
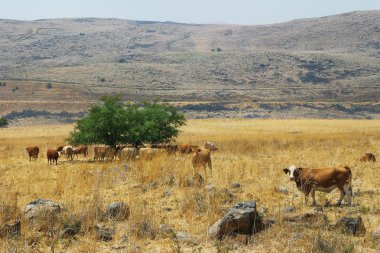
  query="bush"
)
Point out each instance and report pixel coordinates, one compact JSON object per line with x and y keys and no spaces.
{"x":49,"y":86}
{"x":15,"y":89}
{"x":114,"y":123}
{"x":122,"y":60}
{"x":3,"y":122}
{"x":102,"y":79}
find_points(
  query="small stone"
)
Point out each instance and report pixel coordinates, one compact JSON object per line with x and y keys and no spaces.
{"x":235,"y":185}
{"x":104,"y":234}
{"x":288,"y":209}
{"x":167,"y":193}
{"x":165,"y":229}
{"x":376,"y":233}
{"x":68,"y":232}
{"x":210,"y":187}
{"x":118,"y":211}
{"x":282,"y":189}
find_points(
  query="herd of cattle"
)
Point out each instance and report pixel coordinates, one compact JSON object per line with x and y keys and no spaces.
{"x":202,"y":156}
{"x":307,"y":180}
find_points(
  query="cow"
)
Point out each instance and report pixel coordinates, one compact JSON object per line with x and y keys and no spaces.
{"x":128,"y":153}
{"x":324,"y":180}
{"x":368,"y":157}
{"x":107,"y":153}
{"x":68,"y":151}
{"x":82,"y":149}
{"x":150,"y":153}
{"x":201,"y":158}
{"x":210,"y":146}
{"x":187,"y":148}
{"x":52,"y":155}
{"x":33,"y":152}
{"x":171,"y":148}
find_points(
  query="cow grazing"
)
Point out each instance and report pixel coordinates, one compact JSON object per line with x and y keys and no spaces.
{"x":68,"y":151}
{"x":210,"y":146}
{"x":33,"y":152}
{"x":201,"y":158}
{"x":368,"y":157}
{"x":107,"y":153}
{"x":128,"y":153}
{"x":324,"y":180}
{"x":171,"y":148}
{"x":187,"y":148}
{"x":150,"y":153}
{"x":52,"y":155}
{"x":82,"y":149}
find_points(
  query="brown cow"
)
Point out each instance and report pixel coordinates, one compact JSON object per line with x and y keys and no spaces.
{"x":68,"y":151}
{"x":201,"y":158}
{"x":33,"y":152}
{"x":101,"y":153}
{"x":324,"y":180}
{"x":52,"y":155}
{"x":368,"y":157}
{"x":171,"y":148}
{"x":82,"y":149}
{"x":150,"y":153}
{"x":187,"y":148}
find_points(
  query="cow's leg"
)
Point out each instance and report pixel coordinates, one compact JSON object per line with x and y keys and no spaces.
{"x":209,"y":164}
{"x":313,"y":196}
{"x":348,"y":191}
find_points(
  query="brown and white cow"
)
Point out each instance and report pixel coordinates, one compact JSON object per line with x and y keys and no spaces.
{"x":324,"y":180}
{"x":81,"y":149}
{"x":33,"y":152}
{"x":52,"y":155}
{"x":368,"y":157}
{"x":68,"y":151}
{"x":210,"y":146}
{"x":128,"y":153}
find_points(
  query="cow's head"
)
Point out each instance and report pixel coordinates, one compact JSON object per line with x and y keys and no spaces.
{"x":293,"y":172}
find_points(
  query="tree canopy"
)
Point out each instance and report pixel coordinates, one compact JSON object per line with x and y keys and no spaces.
{"x":3,"y":122}
{"x":113,"y":123}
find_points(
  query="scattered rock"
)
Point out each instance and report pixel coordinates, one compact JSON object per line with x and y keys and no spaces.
{"x":235,"y":185}
{"x":227,"y":196}
{"x":11,"y":230}
{"x":185,"y":237}
{"x":210,"y":188}
{"x":118,"y":211}
{"x":376,"y":233}
{"x":154,"y":185}
{"x":169,"y":180}
{"x":282,"y":189}
{"x":165,"y":229}
{"x":288,"y":209}
{"x":241,"y":219}
{"x":68,"y":232}
{"x":104,"y":234}
{"x":311,"y":216}
{"x":167,"y":193}
{"x":41,"y":212}
{"x":351,"y":226}
{"x":167,"y":209}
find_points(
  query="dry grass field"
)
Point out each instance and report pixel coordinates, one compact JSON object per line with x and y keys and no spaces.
{"x":252,"y":153}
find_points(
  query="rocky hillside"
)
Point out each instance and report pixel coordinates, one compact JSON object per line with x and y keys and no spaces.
{"x":334,"y":59}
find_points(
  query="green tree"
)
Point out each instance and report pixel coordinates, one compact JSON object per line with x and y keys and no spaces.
{"x":114,"y":123}
{"x":3,"y":122}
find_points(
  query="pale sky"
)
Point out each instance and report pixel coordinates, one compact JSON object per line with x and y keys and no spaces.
{"x":186,"y":11}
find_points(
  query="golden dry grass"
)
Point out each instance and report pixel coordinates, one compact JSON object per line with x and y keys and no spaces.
{"x":252,"y":153}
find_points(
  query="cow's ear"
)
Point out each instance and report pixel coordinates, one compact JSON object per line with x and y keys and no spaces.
{"x":199,"y":150}
{"x":286,"y":170}
{"x":299,"y":168}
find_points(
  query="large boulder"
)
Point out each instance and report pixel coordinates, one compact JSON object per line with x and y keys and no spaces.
{"x":351,"y":226}
{"x":241,"y":219}
{"x":118,"y":211}
{"x":41,"y":210}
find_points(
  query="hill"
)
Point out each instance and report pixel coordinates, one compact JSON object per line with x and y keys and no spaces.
{"x":310,"y":62}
